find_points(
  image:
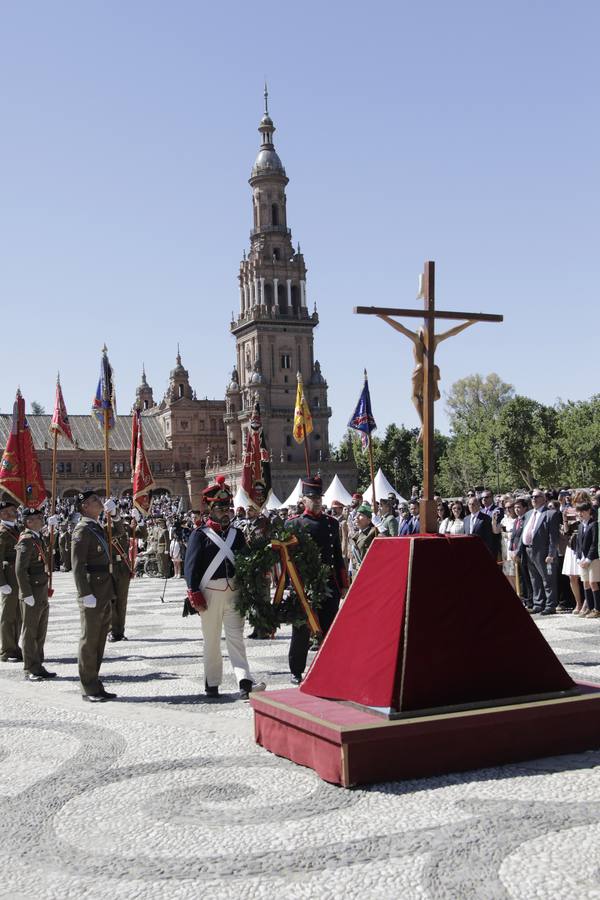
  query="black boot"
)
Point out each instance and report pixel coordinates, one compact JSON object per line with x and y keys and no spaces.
{"x":211,"y":691}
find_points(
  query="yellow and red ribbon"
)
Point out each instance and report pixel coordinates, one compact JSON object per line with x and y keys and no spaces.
{"x":288,"y":567}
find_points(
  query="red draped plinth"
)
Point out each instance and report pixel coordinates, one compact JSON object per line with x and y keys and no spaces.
{"x":432,"y":621}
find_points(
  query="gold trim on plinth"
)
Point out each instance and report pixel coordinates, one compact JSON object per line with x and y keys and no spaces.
{"x":396,"y":723}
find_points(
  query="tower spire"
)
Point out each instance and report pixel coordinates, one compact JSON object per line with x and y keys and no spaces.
{"x":266,"y":95}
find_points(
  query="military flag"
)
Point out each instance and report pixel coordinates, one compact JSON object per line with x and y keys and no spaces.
{"x":303,"y":423}
{"x":104,"y":406}
{"x":256,"y":470}
{"x":143,"y":482}
{"x":20,"y":472}
{"x":60,"y":420}
{"x":362,"y":419}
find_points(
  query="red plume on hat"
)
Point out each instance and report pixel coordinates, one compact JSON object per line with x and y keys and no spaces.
{"x":219,"y":491}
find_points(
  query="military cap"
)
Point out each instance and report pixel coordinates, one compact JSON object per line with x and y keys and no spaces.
{"x":217,"y":493}
{"x":8,"y":501}
{"x":312,"y":487}
{"x":357,"y":496}
{"x":365,"y":509}
{"x":82,"y":496}
{"x":31,"y":511}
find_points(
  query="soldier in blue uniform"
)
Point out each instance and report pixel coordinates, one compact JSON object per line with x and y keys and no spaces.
{"x":209,"y":571}
{"x":325,"y":532}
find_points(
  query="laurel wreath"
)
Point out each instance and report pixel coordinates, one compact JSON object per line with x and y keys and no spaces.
{"x":255,"y":577}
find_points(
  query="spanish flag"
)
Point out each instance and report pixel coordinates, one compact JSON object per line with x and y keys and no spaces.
{"x":303,"y":424}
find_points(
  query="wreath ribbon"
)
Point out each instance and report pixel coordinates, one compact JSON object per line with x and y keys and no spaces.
{"x":288,"y":567}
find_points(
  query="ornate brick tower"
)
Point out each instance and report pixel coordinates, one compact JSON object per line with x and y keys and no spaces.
{"x":274,"y":329}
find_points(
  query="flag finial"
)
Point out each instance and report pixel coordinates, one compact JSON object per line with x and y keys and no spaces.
{"x":105,"y":348}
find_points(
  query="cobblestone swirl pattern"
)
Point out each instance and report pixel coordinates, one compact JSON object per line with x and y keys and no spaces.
{"x":164,"y":794}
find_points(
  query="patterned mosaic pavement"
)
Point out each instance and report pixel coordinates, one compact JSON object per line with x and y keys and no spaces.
{"x":163,"y":794}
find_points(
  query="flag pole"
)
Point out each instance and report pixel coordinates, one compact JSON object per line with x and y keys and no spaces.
{"x":52,"y":506}
{"x":107,"y":485}
{"x":373,"y":498}
{"x":372,"y":467}
{"x":306,"y":454}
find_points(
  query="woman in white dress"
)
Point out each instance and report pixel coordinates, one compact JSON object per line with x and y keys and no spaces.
{"x":456,"y":523}
{"x":175,"y":553}
{"x":570,"y":522}
{"x":506,"y":525}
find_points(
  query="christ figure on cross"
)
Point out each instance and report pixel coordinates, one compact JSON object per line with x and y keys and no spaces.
{"x":419,"y":339}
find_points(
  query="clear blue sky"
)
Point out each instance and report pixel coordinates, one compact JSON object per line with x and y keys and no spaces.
{"x":464,"y":132}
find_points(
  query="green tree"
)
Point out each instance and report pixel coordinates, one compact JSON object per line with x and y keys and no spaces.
{"x":474,"y":399}
{"x":527,"y":437}
{"x":37,"y":409}
{"x":578,"y":441}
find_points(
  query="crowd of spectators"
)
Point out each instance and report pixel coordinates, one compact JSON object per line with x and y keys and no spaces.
{"x":545,"y":541}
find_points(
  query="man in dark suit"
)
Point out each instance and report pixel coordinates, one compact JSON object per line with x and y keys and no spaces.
{"x":495,"y":512}
{"x":479,"y":524}
{"x":539,"y":541}
{"x":517,"y":553}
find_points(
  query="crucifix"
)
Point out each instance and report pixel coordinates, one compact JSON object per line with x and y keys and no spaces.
{"x":426,"y":375}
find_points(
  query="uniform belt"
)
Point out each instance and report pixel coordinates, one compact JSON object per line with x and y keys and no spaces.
{"x":95,"y":569}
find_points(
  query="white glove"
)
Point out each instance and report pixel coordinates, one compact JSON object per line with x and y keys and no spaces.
{"x":53,"y":521}
{"x":89,"y":601}
{"x":29,"y":601}
{"x":110,"y":506}
{"x":5,"y":590}
{"x":136,"y":514}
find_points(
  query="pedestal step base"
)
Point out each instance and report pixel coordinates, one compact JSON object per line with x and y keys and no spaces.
{"x":349,"y":746}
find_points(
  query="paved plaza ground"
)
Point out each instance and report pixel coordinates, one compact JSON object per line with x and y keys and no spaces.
{"x":163,"y":794}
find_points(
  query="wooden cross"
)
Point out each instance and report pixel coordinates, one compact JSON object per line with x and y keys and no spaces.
{"x":426,"y":374}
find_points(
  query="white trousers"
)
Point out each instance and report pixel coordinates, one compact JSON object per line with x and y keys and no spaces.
{"x":222,"y":614}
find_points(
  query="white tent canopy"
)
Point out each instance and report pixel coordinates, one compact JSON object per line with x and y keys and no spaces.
{"x":336,"y":491}
{"x":382,"y":489}
{"x":294,"y":496}
{"x":241,"y":498}
{"x":273,"y":502}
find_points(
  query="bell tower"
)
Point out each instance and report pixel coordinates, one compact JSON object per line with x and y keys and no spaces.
{"x":274,"y":329}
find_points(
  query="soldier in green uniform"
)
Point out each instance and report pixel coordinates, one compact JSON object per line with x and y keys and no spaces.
{"x":387,"y":524}
{"x":10,"y":608}
{"x":32,"y":567}
{"x":90,"y":560}
{"x":363,"y":537}
{"x":64,"y":546}
{"x":162,"y":549}
{"x":122,"y":576}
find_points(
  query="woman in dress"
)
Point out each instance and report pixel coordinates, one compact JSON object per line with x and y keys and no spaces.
{"x":443,"y":514}
{"x":506,"y":525}
{"x":570,"y":567}
{"x":175,"y":552}
{"x":456,"y":523}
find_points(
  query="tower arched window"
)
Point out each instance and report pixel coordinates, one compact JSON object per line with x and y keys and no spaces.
{"x":268,"y":294}
{"x":295,"y":297}
{"x":274,"y":214}
{"x":282,"y":299}
{"x":180,"y":390}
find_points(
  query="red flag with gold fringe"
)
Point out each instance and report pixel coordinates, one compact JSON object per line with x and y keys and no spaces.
{"x":143,"y":482}
{"x":20,"y":472}
{"x":60,"y":419}
{"x":256,"y":471}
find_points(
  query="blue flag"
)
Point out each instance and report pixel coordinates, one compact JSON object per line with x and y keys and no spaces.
{"x":363,"y":420}
{"x":105,"y":394}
